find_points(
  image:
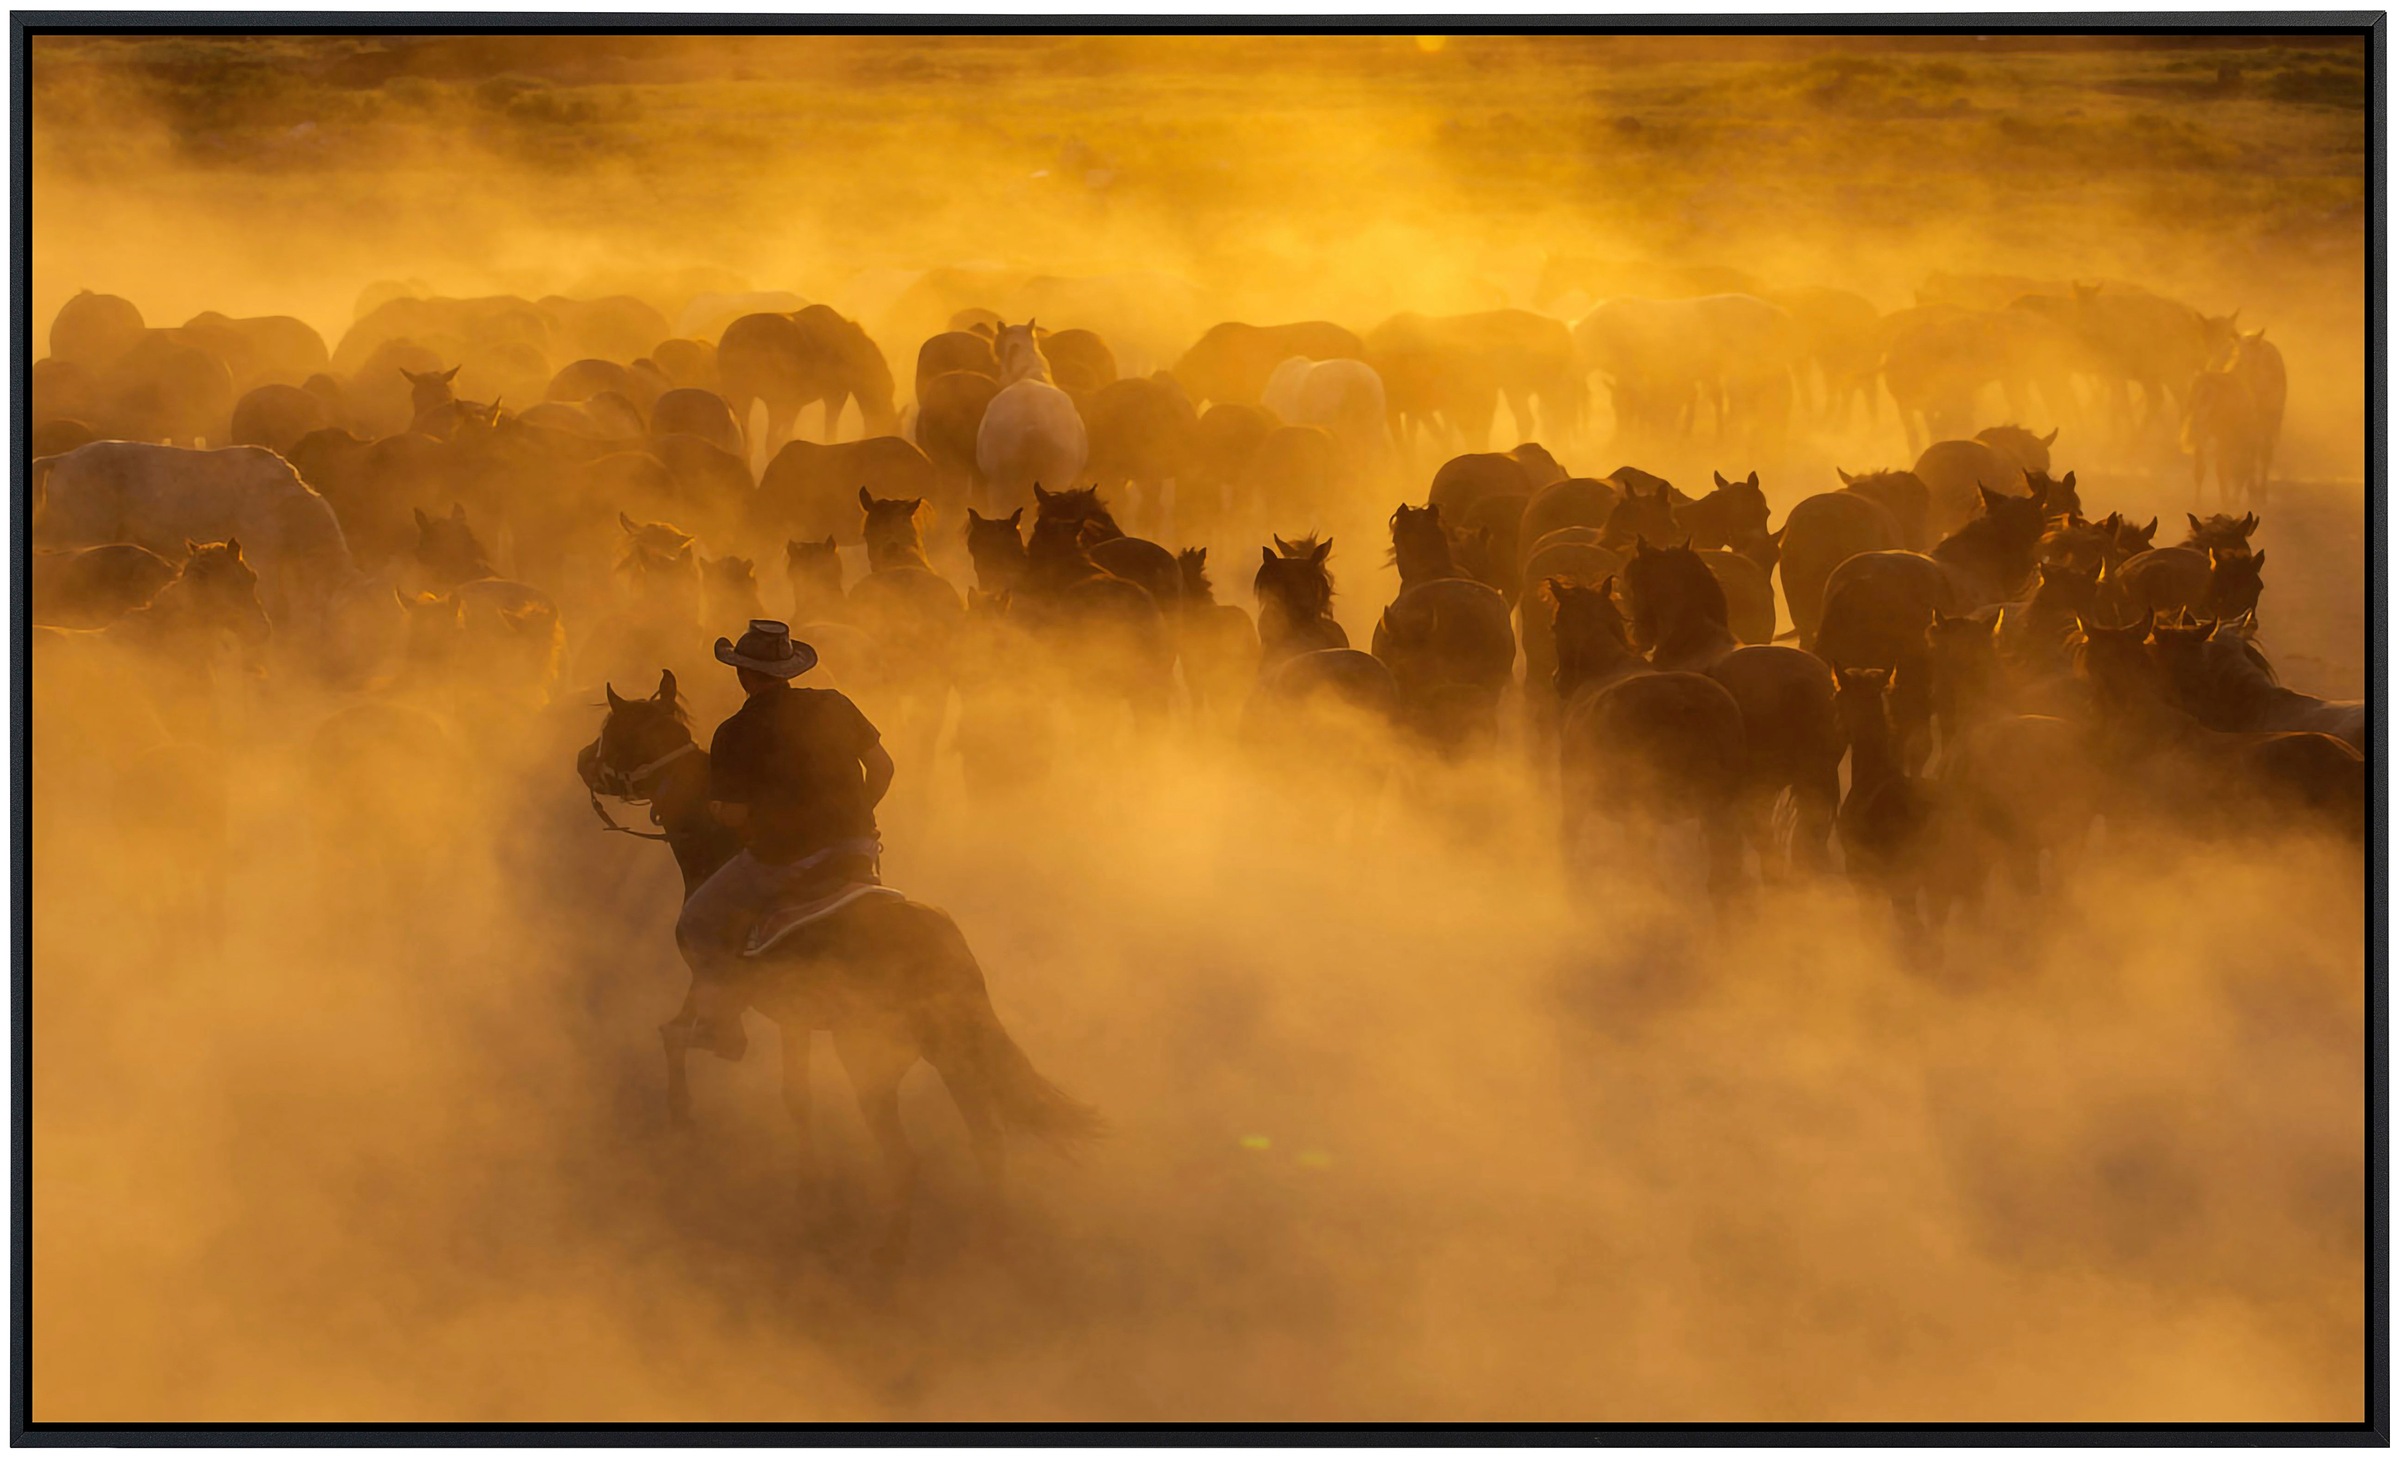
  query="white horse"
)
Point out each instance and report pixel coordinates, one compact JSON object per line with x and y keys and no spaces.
{"x":1031,"y":431}
{"x":1344,"y":396}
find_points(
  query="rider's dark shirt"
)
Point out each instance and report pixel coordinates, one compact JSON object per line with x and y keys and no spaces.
{"x":792,"y":755}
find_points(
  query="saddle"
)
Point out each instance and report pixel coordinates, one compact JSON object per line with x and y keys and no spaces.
{"x":808,"y":900}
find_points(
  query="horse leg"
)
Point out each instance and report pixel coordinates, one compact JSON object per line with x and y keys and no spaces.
{"x":876,"y":1060}
{"x":676,"y":1037}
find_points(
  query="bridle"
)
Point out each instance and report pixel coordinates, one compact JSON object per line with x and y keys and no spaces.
{"x":627,"y":786}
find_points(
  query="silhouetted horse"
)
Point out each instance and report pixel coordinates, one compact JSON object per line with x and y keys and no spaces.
{"x":1891,"y":823}
{"x":913,"y":614}
{"x":1792,"y":738}
{"x":2220,"y":677}
{"x":1294,"y":588}
{"x":1217,"y":643}
{"x":1106,"y":633}
{"x":2220,"y":533}
{"x":2163,"y":761}
{"x":892,"y":980}
{"x":1639,"y":747}
{"x":1821,"y":533}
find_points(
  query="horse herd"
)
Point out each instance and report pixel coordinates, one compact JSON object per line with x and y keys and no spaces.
{"x":1997,"y":667}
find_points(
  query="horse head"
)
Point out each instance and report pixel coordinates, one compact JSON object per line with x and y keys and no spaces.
{"x":636,"y":734}
{"x":220,"y":591}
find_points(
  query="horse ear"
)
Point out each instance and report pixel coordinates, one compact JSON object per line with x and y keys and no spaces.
{"x":2151,"y":530}
{"x":2067,"y":482}
{"x":2194,"y":520}
{"x":2051,"y":438}
{"x":866,"y":499}
{"x":400,"y":596}
{"x":1017,"y":517}
{"x":1266,"y":556}
{"x":2249,"y":523}
{"x":190,"y":547}
{"x":1323,"y":551}
{"x":1686,"y":544}
{"x":1039,"y":494}
{"x":1752,"y":483}
{"x":234,"y":546}
{"x":424,"y":522}
{"x":666,"y":686}
{"x":1847,"y":478}
{"x":627,"y":522}
{"x":2258,"y":564}
{"x":614,"y":702}
{"x":451,"y":373}
{"x":1991,"y":498}
{"x":915,"y":505}
{"x":1722,"y":483}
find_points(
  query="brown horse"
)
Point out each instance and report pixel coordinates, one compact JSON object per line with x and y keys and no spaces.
{"x":2018,"y":785}
{"x":892,"y":980}
{"x":2219,"y":533}
{"x":1792,"y":739}
{"x":1102,"y":631}
{"x":1217,"y":643}
{"x":1891,"y":823}
{"x":1640,"y":747}
{"x":1820,"y":534}
{"x":2167,"y":763}
{"x":2221,"y":678}
{"x":914,"y":616}
{"x":1294,"y":588}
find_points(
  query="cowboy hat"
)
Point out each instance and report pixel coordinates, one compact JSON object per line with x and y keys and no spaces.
{"x":768,"y":648}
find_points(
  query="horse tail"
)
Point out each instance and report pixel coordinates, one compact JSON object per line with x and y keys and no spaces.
{"x":1024,"y":1100}
{"x":973,"y":1048}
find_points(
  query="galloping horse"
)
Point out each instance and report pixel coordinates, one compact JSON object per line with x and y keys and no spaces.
{"x":891,"y":979}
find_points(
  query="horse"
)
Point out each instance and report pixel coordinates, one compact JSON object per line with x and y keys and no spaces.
{"x":448,"y":551}
{"x":1031,"y":430}
{"x":1132,"y":558}
{"x":1819,"y":534}
{"x":2222,"y":679}
{"x":1639,"y":746}
{"x":1217,"y":642}
{"x":2214,"y":583}
{"x":1294,"y":588}
{"x":2163,"y":760}
{"x":1891,"y":824}
{"x":1108,"y":632}
{"x":1901,"y":493}
{"x":820,"y":615}
{"x":996,"y":545}
{"x":2219,"y":533}
{"x":1791,"y":737}
{"x":91,"y":587}
{"x":1732,"y":517}
{"x":912,"y":613}
{"x":892,"y":980}
{"x":788,"y":361}
{"x":2017,"y":784}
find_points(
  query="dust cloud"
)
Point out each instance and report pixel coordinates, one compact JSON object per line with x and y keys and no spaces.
{"x":1409,"y":1121}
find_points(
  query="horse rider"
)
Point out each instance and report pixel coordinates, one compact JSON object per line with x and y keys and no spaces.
{"x":797,"y":774}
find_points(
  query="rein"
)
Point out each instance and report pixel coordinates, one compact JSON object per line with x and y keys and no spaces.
{"x":627,"y":787}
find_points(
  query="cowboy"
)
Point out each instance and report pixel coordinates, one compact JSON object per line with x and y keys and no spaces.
{"x":797,"y":774}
